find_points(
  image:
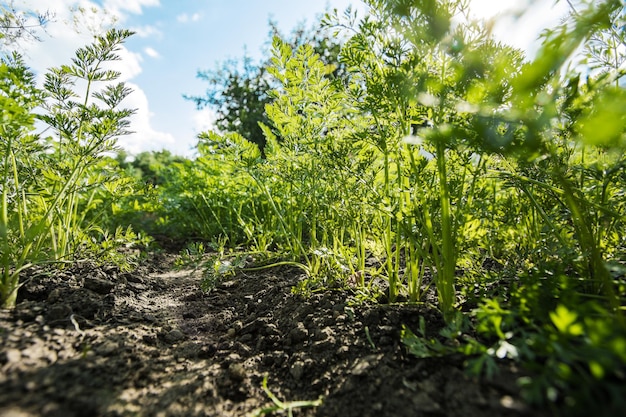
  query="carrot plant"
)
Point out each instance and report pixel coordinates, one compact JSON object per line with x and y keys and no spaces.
{"x":561,"y":150}
{"x":49,"y":185}
{"x":309,"y":148}
{"x":405,"y":62}
{"x":85,"y":126}
{"x":18,"y":99}
{"x":282,"y":406}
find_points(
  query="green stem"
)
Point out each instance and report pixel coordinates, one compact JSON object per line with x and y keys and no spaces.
{"x":445,"y":276}
{"x":295,"y":244}
{"x":596,"y":266}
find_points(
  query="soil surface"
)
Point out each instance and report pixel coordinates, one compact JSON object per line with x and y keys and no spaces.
{"x":92,"y":341}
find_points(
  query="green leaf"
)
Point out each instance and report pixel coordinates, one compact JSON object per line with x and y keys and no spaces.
{"x":596,"y":368}
{"x":417,"y":346}
{"x":565,"y":321}
{"x":604,"y":124}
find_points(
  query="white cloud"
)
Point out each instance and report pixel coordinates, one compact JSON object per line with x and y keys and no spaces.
{"x":152,"y":53}
{"x":132,"y":6}
{"x":487,"y":8}
{"x":75,"y":23}
{"x":519,"y":23}
{"x":145,"y":138}
{"x":184,"y":18}
{"x":203,"y":120}
{"x":129,"y":64}
{"x":88,"y":15}
{"x":147,"y":31}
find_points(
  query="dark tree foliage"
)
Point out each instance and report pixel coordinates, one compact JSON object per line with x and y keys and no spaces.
{"x":238,"y":90}
{"x":150,"y":166}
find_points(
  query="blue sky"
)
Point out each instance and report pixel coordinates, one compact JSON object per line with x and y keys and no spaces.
{"x":176,"y":38}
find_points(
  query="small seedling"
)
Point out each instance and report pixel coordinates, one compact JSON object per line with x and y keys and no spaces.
{"x":281,"y":406}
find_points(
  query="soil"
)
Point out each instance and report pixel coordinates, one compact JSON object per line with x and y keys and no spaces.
{"x":94,"y":341}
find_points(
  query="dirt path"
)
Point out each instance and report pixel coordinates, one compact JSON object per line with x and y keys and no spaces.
{"x":97,"y":342}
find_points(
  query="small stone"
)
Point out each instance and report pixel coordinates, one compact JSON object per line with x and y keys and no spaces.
{"x":271,"y":330}
{"x":343,"y":350}
{"x":137,"y":286}
{"x":280,"y":358}
{"x":187,"y":350}
{"x":226,"y":285}
{"x":232,"y":358}
{"x":135,"y":316}
{"x":13,"y":356}
{"x":297,"y":370}
{"x":134,"y":278}
{"x":35,"y":352}
{"x":236,"y":372}
{"x":260,"y":343}
{"x":363,"y":365}
{"x":149,"y":339}
{"x":225,"y":345}
{"x":299,"y":333}
{"x":99,"y":286}
{"x":323,"y":334}
{"x":107,"y":348}
{"x":151,"y":318}
{"x":55,"y":296}
{"x":512,"y":404}
{"x":174,"y":336}
{"x":207,"y":352}
{"x":51,"y":356}
{"x":58,"y":312}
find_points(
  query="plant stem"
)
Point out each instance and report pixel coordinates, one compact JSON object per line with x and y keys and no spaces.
{"x":445,"y":276}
